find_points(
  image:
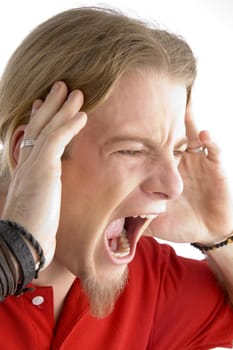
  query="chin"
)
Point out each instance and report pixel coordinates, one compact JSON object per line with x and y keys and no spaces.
{"x":103,"y":293}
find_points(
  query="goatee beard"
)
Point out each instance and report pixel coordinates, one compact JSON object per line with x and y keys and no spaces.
{"x":102,"y":296}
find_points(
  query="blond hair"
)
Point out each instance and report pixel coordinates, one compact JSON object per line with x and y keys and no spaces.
{"x":89,"y":49}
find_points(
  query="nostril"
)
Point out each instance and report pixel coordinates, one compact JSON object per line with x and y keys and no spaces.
{"x":161,"y":195}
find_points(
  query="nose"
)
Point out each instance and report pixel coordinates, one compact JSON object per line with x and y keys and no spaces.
{"x":163,"y":180}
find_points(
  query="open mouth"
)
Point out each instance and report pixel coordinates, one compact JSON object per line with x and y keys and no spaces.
{"x":122,"y":235}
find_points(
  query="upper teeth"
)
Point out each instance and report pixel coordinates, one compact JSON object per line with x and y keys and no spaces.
{"x":146,"y":216}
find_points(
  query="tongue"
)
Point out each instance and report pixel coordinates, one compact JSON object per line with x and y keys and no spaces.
{"x":115,"y":229}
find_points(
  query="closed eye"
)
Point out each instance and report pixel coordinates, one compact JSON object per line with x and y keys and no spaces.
{"x":179,"y":153}
{"x":129,"y":152}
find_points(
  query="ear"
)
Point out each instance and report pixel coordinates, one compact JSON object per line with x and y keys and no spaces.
{"x":15,"y":145}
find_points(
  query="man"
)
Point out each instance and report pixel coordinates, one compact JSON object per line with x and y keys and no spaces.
{"x":89,"y":190}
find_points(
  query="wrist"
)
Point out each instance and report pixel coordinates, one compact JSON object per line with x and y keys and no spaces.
{"x":18,"y":259}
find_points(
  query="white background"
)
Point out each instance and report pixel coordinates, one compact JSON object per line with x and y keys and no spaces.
{"x":206,"y":24}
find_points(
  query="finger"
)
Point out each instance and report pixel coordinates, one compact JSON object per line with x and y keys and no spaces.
{"x":51,"y":105}
{"x":213,"y":151}
{"x":52,"y":147}
{"x":66,"y":112}
{"x":69,"y":109}
{"x":26,"y":150}
{"x":35,"y":107}
{"x":191,"y":130}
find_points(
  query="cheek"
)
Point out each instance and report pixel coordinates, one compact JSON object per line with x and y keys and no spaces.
{"x":99,"y":184}
{"x":119,"y":182}
{"x":78,"y":184}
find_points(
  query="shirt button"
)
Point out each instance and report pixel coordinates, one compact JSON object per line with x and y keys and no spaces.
{"x":38,"y":300}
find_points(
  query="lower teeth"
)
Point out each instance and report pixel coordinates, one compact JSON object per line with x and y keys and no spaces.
{"x":120,"y":255}
{"x":123,"y":246}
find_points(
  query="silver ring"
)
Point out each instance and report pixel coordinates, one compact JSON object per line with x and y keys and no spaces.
{"x":27,"y":143}
{"x":198,"y":149}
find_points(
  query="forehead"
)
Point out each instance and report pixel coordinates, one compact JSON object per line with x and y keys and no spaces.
{"x":151,"y":88}
{"x":145,"y":103}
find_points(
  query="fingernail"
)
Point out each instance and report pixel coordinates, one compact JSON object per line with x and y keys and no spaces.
{"x":36,"y":105}
{"x":56,"y":87}
{"x":74,"y":94}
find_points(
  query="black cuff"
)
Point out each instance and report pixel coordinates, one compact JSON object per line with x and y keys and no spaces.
{"x":20,"y":250}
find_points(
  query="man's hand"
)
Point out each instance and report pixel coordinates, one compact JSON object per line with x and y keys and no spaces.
{"x":34,"y":195}
{"x":203,"y":213}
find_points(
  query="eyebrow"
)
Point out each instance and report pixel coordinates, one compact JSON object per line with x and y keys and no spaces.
{"x":143,"y":140}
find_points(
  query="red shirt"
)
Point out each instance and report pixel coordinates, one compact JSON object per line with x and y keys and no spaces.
{"x":169,"y":303}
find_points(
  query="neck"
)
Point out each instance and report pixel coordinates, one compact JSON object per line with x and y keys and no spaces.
{"x":60,"y":279}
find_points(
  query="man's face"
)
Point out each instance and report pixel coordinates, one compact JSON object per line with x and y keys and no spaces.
{"x":119,"y":173}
